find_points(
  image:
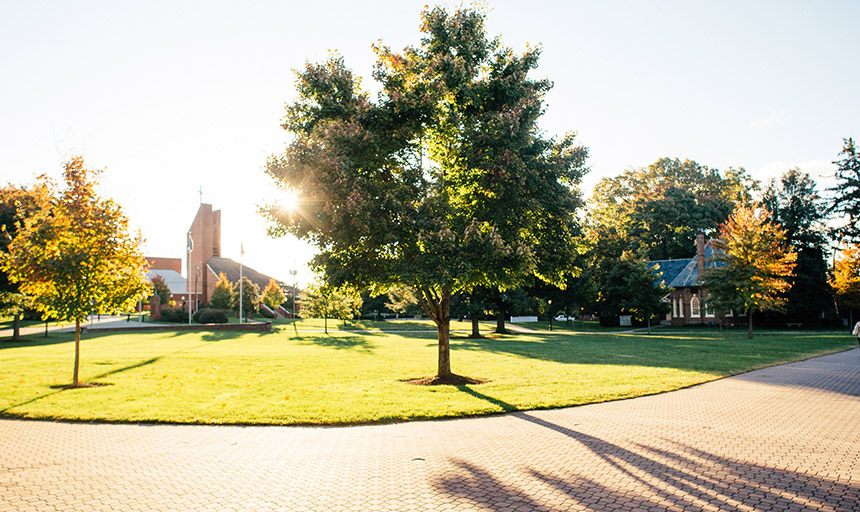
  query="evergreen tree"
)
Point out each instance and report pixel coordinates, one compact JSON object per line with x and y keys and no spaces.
{"x":797,"y":208}
{"x":846,"y":194}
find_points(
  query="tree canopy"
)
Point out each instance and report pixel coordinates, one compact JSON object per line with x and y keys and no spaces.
{"x":250,"y":297}
{"x":845,"y":279}
{"x":655,"y":211}
{"x":796,"y":207}
{"x":16,"y":205}
{"x":442,"y":184}
{"x":753,"y":264}
{"x":846,"y":194}
{"x":75,"y":256}
{"x":273,"y":295}
{"x":222,"y":295}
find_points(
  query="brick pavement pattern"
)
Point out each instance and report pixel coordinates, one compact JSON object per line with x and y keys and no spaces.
{"x":782,"y":438}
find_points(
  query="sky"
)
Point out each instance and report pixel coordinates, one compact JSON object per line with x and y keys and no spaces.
{"x":175,"y":97}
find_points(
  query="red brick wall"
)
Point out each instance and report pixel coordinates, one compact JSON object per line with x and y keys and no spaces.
{"x":206,"y":233}
{"x":174,"y":264}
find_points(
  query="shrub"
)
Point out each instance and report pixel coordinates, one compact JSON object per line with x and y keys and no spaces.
{"x":176,"y":315}
{"x":210,"y":316}
{"x":609,"y":321}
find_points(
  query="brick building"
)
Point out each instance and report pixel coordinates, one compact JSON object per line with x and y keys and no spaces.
{"x":687,"y":299}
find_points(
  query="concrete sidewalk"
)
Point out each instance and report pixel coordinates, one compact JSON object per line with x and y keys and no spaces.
{"x":103,"y":322}
{"x":782,"y":438}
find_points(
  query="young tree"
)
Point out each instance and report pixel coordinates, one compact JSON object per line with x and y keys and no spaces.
{"x":160,"y":288}
{"x":400,"y":300}
{"x":76,"y":256}
{"x":322,"y":301}
{"x":223,"y":294}
{"x":16,"y":205}
{"x":753,"y":265}
{"x":846,"y":194}
{"x":250,"y":298}
{"x":273,"y":295}
{"x":845,"y":279}
{"x":443,"y":184}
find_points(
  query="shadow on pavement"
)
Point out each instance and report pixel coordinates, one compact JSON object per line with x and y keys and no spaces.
{"x":817,"y":373}
{"x":686,"y":479}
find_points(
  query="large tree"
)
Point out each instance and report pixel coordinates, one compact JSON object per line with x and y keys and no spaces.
{"x":795,"y":206}
{"x":846,"y":194}
{"x":656,"y":210}
{"x":444,"y":183}
{"x":76,"y":256}
{"x":753,"y":266}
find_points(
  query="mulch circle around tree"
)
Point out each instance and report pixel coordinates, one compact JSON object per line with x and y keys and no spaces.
{"x":450,"y":380}
{"x":82,"y":385}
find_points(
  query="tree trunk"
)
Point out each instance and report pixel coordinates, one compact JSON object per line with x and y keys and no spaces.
{"x":749,"y":324}
{"x":438,"y":308}
{"x":500,"y":321}
{"x":16,"y":327}
{"x":649,"y":325}
{"x":444,"y":326}
{"x":476,"y":331}
{"x":77,"y":352}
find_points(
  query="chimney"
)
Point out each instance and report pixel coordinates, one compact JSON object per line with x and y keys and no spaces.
{"x":700,"y":251}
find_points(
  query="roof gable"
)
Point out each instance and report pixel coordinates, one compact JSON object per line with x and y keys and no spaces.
{"x":230,"y":269}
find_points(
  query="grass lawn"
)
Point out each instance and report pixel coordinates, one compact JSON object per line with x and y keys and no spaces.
{"x":296,"y":375}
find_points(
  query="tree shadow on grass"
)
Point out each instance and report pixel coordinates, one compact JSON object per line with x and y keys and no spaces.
{"x":647,"y":478}
{"x":91,"y":382}
{"x":709,"y":354}
{"x":38,"y":340}
{"x":359,"y":343}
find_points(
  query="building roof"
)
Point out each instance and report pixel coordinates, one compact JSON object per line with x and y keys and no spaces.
{"x":172,"y":278}
{"x":681,"y":273}
{"x":231,"y":270}
{"x":667,"y":270}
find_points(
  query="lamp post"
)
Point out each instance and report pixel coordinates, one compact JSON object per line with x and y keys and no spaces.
{"x":293,"y":273}
{"x":188,"y":280}
{"x":549,"y":309}
{"x":196,"y":293}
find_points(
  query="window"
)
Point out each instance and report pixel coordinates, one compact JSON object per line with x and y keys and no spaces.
{"x":677,"y":306}
{"x":709,"y":309}
{"x":694,"y":307}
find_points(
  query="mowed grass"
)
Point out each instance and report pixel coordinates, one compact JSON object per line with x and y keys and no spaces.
{"x":296,"y":375}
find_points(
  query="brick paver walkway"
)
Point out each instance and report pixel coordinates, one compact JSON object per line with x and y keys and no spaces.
{"x":783,"y":438}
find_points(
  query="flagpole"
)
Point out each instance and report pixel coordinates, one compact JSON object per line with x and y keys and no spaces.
{"x":188,"y":279}
{"x":241,"y":296}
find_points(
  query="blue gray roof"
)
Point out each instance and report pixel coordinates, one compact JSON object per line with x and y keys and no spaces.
{"x":172,"y":279}
{"x":667,"y":270}
{"x":684,"y":272}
